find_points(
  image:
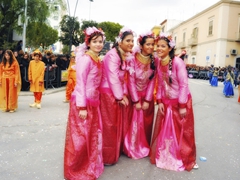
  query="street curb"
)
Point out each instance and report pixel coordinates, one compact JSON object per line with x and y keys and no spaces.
{"x":46,"y":92}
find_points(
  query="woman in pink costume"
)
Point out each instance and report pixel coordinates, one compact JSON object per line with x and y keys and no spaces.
{"x":141,"y":82}
{"x":173,"y":142}
{"x":83,"y":145}
{"x":114,"y":96}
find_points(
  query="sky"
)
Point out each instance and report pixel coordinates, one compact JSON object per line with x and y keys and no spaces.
{"x":138,"y":15}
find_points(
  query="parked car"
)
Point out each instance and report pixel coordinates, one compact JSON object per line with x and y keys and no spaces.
{"x":193,"y":73}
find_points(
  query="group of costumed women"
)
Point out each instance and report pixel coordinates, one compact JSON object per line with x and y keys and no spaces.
{"x":112,"y":106}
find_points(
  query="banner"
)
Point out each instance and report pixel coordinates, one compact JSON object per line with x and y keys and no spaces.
{"x":64,"y":75}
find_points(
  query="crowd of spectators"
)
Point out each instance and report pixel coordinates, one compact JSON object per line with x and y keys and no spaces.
{"x":54,"y":65}
{"x":203,"y":72}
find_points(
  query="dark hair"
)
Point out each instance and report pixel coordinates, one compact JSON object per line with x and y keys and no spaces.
{"x":37,"y":54}
{"x":12,"y":58}
{"x":171,"y":55}
{"x":152,"y":65}
{"x":94,"y":36}
{"x":115,"y":45}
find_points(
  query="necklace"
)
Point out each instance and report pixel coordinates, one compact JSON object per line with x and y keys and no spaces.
{"x":94,"y":54}
{"x":94,"y":57}
{"x":165,"y":61}
{"x":145,"y":60}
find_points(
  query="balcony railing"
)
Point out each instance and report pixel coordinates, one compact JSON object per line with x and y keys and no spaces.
{"x":192,"y":41}
{"x":238,"y":37}
{"x":182,"y":45}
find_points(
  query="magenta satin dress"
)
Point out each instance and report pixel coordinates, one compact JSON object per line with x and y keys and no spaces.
{"x":83,"y":144}
{"x":115,"y":117}
{"x":138,"y":138}
{"x":173,"y":142}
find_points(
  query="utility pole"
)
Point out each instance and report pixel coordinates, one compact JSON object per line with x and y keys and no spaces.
{"x":24,"y":27}
{"x":72,"y":28}
{"x":90,"y":9}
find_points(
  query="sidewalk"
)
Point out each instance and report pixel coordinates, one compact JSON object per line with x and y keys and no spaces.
{"x":48,"y":91}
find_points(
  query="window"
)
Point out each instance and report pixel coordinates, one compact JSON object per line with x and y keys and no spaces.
{"x":195,"y":32}
{"x":184,"y":36}
{"x":238,"y":31}
{"x":193,"y":60}
{"x":163,"y":28}
{"x":56,"y":8}
{"x":175,"y":39}
{"x":55,"y":17}
{"x":210,"y":27}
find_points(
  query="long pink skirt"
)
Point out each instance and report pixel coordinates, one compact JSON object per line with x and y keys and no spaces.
{"x":138,"y":138}
{"x":115,"y":119}
{"x":83,"y":145}
{"x":173,"y":138}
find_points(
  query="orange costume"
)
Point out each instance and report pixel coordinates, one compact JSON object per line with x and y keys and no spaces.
{"x":71,"y":80}
{"x":36,"y":78}
{"x":9,"y":77}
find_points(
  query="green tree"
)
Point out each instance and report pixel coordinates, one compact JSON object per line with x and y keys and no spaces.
{"x":11,"y":11}
{"x":111,"y":30}
{"x":41,"y":33}
{"x":70,"y":28}
{"x":86,"y":24}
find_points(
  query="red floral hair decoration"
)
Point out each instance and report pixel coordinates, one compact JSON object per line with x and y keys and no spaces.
{"x":148,"y":34}
{"x":90,"y":31}
{"x":120,"y":35}
{"x":169,"y":37}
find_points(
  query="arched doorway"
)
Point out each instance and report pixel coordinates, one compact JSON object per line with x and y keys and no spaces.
{"x":238,"y":62}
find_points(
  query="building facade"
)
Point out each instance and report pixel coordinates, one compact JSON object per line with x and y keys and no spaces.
{"x":54,"y":20}
{"x":211,"y":36}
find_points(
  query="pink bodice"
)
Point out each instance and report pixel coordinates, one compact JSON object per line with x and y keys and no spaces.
{"x":138,"y":80}
{"x":113,"y":77}
{"x":88,"y":80}
{"x":179,"y":88}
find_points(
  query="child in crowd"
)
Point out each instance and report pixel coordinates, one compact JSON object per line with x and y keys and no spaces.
{"x":71,"y":78}
{"x":36,"y":78}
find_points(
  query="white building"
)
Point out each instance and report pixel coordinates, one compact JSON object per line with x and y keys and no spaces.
{"x":54,"y":21}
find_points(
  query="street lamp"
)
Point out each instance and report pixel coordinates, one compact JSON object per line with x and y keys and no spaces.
{"x":90,"y":8}
{"x":71,"y":31}
{"x":24,"y":27}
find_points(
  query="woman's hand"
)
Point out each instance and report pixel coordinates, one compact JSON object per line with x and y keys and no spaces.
{"x":145,"y":105}
{"x":161,"y":108}
{"x":138,"y":106}
{"x":125,"y":100}
{"x":82,"y":114}
{"x":183,"y":112}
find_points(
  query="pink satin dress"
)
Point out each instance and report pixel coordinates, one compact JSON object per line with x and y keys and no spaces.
{"x":83,"y":144}
{"x":138,"y":138}
{"x":115,"y":117}
{"x":173,"y":142}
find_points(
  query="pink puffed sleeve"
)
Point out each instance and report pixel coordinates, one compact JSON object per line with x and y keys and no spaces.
{"x":182,"y":78}
{"x":131,"y":82}
{"x":111,"y":65}
{"x":82,"y":70}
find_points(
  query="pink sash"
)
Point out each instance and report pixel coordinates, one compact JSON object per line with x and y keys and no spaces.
{"x":167,"y":148}
{"x":135,"y":142}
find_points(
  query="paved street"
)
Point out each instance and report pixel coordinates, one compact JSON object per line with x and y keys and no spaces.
{"x":32,"y":140}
